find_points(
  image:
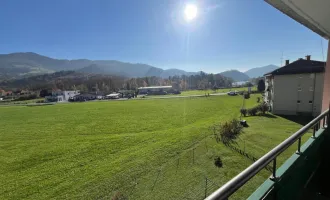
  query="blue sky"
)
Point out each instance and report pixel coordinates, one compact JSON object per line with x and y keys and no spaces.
{"x":226,"y":34}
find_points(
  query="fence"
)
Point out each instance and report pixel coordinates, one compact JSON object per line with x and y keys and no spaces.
{"x":186,"y":176}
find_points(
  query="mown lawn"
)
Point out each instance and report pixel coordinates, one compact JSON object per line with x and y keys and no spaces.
{"x":203,"y":92}
{"x":21,"y":102}
{"x":142,"y":149}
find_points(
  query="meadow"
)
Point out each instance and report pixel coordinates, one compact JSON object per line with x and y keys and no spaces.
{"x":203,"y":92}
{"x":138,"y":149}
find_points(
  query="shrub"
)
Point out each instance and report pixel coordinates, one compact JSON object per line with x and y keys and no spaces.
{"x":263,"y":108}
{"x":218,"y":161}
{"x":258,"y":99}
{"x":246,"y":95}
{"x":243,"y":112}
{"x":253,"y":111}
{"x":228,"y":131}
{"x":29,"y":97}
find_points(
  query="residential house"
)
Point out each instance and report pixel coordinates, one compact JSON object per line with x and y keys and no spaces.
{"x":61,"y":96}
{"x":296,"y":88}
{"x":24,"y":92}
{"x":155,"y":90}
{"x":2,"y":93}
{"x":9,"y":93}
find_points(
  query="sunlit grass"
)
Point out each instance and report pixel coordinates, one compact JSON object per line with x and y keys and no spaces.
{"x":150,"y":149}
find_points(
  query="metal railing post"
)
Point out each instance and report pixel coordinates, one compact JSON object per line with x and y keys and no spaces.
{"x":299,"y":144}
{"x":273,"y":178}
{"x":325,"y":121}
{"x":314,"y":130}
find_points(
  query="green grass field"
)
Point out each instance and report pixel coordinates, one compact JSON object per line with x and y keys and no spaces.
{"x":202,"y":92}
{"x":21,"y":102}
{"x":143,"y":149}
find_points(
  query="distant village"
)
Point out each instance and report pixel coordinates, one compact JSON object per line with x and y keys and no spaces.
{"x":57,"y":95}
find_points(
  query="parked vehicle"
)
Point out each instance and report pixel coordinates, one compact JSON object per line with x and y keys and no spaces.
{"x":232,"y":93}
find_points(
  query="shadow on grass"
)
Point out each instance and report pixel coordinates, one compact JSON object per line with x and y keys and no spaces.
{"x":299,"y":119}
{"x":246,"y":155}
{"x":268,"y":115}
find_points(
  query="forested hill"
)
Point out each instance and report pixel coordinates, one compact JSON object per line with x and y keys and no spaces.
{"x":16,"y":65}
{"x":72,"y":80}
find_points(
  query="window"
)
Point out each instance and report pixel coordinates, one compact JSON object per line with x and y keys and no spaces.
{"x":311,"y":89}
{"x":298,"y":101}
{"x":310,"y":102}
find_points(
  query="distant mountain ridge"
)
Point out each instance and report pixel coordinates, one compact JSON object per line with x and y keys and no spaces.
{"x":16,"y":65}
{"x":235,"y":75}
{"x":20,"y":64}
{"x":260,"y":71}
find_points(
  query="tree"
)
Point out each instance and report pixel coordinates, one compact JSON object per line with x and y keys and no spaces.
{"x":44,"y":93}
{"x":249,"y":84}
{"x":261,"y":85}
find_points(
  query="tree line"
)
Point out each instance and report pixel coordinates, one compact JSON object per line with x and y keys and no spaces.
{"x":71,"y":80}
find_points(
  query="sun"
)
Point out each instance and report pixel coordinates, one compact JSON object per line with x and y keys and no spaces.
{"x":190,"y":12}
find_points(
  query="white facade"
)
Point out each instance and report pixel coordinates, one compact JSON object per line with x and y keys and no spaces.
{"x":294,"y":94}
{"x":70,"y":94}
{"x":61,"y":96}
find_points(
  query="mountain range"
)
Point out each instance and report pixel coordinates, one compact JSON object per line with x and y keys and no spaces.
{"x":15,"y":65}
{"x":260,"y":71}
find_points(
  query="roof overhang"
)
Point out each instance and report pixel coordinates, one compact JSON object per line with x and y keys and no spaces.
{"x":314,"y":14}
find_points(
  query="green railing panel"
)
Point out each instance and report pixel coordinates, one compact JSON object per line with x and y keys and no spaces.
{"x":293,"y":176}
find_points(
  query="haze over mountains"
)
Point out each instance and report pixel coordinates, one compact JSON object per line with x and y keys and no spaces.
{"x":260,"y":71}
{"x":16,"y":65}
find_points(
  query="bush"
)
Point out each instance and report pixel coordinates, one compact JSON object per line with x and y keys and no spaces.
{"x":243,"y":112}
{"x":29,"y":97}
{"x":246,"y":95}
{"x":218,"y":161}
{"x":228,"y":131}
{"x":255,"y":92}
{"x":258,"y":99}
{"x":263,"y":108}
{"x":253,"y":111}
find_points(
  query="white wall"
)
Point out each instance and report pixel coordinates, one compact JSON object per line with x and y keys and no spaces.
{"x":70,"y":94}
{"x":318,"y":91}
{"x":297,"y":93}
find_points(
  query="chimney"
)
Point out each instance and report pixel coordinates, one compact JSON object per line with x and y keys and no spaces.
{"x":308,"y":57}
{"x":287,"y":62}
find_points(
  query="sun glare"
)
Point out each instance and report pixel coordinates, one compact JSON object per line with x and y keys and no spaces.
{"x":190,"y":12}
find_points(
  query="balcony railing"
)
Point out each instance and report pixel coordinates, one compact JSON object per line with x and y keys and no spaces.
{"x":237,"y":182}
